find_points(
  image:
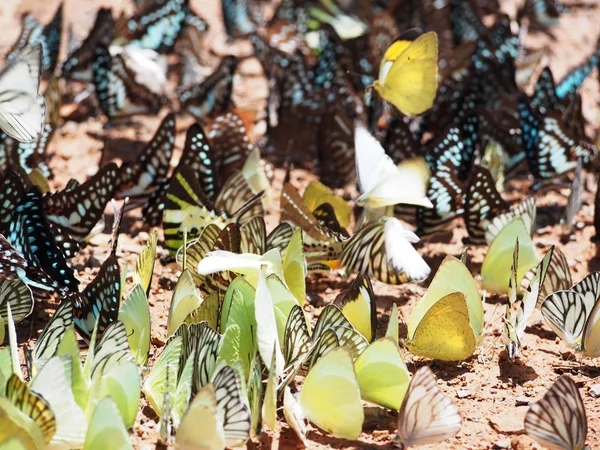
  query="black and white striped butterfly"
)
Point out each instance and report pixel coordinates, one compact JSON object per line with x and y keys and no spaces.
{"x":427,"y":415}
{"x":47,"y":343}
{"x":558,"y":421}
{"x":574,"y":314}
{"x":384,"y":250}
{"x":22,"y":109}
{"x":232,"y":404}
{"x":29,"y":156}
{"x":110,"y":349}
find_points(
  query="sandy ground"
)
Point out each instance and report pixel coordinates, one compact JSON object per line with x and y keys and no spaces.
{"x":490,"y":391}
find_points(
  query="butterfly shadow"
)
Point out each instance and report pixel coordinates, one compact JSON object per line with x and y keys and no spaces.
{"x":549,"y":215}
{"x":445,"y":370}
{"x":541,"y":332}
{"x":315,"y":435}
{"x":515,"y":372}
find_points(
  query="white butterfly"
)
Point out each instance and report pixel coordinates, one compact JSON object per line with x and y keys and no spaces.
{"x":558,"y":420}
{"x":427,"y":415}
{"x":22,"y":109}
{"x":381,"y":182}
{"x":575,"y":314}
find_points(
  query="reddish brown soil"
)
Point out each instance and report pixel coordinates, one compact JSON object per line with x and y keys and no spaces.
{"x":489,"y":384}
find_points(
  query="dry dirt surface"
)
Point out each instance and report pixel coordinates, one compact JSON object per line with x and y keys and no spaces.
{"x":491,"y":392}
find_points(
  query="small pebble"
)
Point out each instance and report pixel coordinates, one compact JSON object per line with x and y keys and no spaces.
{"x":503,"y":443}
{"x":522,"y":401}
{"x":380,"y":435}
{"x":595,"y":391}
{"x":463,"y":393}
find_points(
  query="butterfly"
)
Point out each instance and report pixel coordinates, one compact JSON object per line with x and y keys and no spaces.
{"x":573,"y":80}
{"x":321,"y":244}
{"x":22,"y":109}
{"x":213,"y":95}
{"x":134,"y":313}
{"x":495,"y":270}
{"x":449,"y":158}
{"x":412,"y":56}
{"x":188,"y":208}
{"x":447,"y":322}
{"x":33,"y":155}
{"x":222,"y":408}
{"x":105,"y":423}
{"x":97,"y":306}
{"x":384,"y":250}
{"x":78,"y":210}
{"x":156,"y":26}
{"x":572,"y":314}
{"x":47,"y":343}
{"x":115,"y":78}
{"x":78,"y":63}
{"x":32,"y":405}
{"x":575,"y":200}
{"x":384,"y":184}
{"x":33,"y":33}
{"x":140,"y":177}
{"x":482,"y":203}
{"x":18,"y":295}
{"x":236,"y":18}
{"x":374,"y":385}
{"x":558,"y":420}
{"x":330,"y":395}
{"x":426,"y":416}
{"x":30,"y":234}
{"x":516,"y":321}
{"x":357,"y":303}
{"x":549,"y":149}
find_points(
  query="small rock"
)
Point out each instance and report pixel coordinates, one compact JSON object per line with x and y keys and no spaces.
{"x":595,"y":391}
{"x":522,"y":401}
{"x":463,"y":393}
{"x":381,"y":435}
{"x":503,"y":443}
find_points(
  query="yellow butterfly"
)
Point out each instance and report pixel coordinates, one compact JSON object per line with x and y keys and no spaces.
{"x":408,"y":72}
{"x":447,"y":322}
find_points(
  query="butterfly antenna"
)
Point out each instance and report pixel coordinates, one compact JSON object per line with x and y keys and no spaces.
{"x":118,"y":217}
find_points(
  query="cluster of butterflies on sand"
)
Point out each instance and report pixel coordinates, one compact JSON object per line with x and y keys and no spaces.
{"x":430,"y":137}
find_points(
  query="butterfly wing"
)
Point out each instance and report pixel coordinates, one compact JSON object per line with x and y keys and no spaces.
{"x":558,"y":420}
{"x":410,"y":84}
{"x":427,"y":416}
{"x":232,"y":405}
{"x":22,"y":109}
